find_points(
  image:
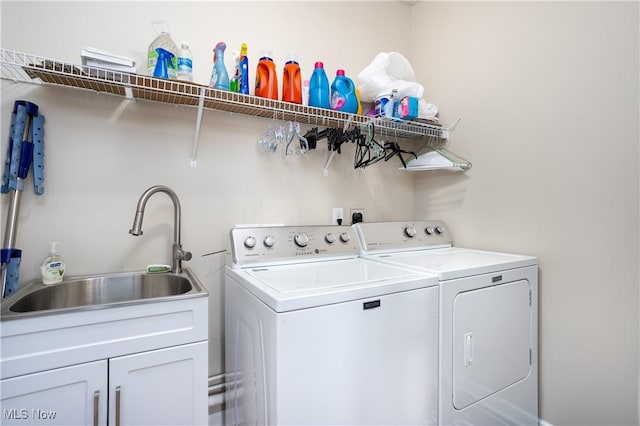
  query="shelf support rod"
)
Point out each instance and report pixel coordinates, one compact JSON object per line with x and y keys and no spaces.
{"x":194,"y":150}
{"x":325,"y":170}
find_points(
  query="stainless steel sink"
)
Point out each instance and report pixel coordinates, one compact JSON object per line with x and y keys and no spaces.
{"x":100,"y":291}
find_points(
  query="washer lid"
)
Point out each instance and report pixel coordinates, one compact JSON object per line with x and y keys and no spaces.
{"x":304,"y":285}
{"x":454,"y":262}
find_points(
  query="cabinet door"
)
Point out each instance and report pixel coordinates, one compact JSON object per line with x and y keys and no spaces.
{"x":161,"y":387}
{"x":75,"y":395}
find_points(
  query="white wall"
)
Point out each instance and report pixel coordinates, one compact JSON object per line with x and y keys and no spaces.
{"x":549,"y":98}
{"x":548,"y":92}
{"x":103,"y":152}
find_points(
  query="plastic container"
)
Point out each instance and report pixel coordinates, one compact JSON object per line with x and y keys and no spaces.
{"x":234,"y":81}
{"x":292,"y":81}
{"x":266,"y":78}
{"x":164,"y":41}
{"x":406,"y":108}
{"x":305,"y":92}
{"x":343,"y":94}
{"x":319,"y":88}
{"x":219,"y":74}
{"x":244,"y":70}
{"x":185,"y":63}
{"x":163,"y":64}
{"x":52,"y":268}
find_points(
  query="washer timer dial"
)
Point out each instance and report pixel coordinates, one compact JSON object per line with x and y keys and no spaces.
{"x":301,"y":239}
{"x":410,"y":231}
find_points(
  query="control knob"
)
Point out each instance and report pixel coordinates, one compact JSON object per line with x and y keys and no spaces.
{"x":410,"y":231}
{"x":330,"y":238}
{"x":439,"y":230}
{"x":269,"y":240}
{"x":250,"y":242}
{"x":345,"y":237}
{"x":428,"y":230}
{"x":301,"y":240}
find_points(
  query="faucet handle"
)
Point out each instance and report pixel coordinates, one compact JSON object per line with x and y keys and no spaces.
{"x":181,"y":254}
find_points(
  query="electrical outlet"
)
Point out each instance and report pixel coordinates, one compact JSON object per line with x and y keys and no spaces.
{"x":338,"y":216}
{"x":357,"y":215}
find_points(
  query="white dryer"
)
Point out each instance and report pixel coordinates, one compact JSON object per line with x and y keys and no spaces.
{"x":488,"y":303}
{"x":315,"y":335}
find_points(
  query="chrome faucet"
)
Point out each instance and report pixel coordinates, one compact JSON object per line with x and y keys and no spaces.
{"x":178,"y":253}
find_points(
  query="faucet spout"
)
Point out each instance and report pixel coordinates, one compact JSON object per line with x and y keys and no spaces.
{"x":178,"y":254}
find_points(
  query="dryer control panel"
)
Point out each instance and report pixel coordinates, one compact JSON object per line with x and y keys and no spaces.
{"x":401,"y":236}
{"x":289,"y":244}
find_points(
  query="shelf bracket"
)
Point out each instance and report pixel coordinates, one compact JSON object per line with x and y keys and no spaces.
{"x":194,"y":150}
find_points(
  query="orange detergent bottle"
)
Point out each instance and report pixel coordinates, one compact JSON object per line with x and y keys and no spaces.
{"x":291,"y":81}
{"x":266,"y":78}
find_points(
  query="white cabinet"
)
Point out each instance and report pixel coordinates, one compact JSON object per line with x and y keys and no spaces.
{"x":75,"y":395}
{"x":160,"y":387}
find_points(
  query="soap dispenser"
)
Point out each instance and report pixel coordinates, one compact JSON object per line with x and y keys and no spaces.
{"x":52,"y":268}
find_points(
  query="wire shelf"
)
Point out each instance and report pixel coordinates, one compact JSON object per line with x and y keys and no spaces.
{"x":27,"y":68}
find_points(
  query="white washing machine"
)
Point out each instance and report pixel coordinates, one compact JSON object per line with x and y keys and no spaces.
{"x":315,"y":335}
{"x":488,"y":302}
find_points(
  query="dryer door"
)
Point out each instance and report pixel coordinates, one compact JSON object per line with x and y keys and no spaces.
{"x":491,"y":340}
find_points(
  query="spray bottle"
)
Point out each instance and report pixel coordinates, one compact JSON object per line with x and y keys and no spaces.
{"x":165,"y":61}
{"x":244,"y":70}
{"x":234,"y":82}
{"x":219,"y":75}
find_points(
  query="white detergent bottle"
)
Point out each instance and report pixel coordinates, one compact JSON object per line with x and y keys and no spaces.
{"x":52,"y":268}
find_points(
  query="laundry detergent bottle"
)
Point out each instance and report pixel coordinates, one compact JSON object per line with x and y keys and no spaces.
{"x":319,"y":87}
{"x":343,"y":94}
{"x":219,"y":74}
{"x":291,"y":81}
{"x":266,"y":77}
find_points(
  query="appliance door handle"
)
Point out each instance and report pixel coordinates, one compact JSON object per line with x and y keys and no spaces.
{"x":468,"y":349}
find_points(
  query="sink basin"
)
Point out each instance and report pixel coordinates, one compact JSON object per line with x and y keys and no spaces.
{"x":97,"y":291}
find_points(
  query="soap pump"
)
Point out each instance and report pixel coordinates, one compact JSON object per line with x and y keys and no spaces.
{"x":52,"y":268}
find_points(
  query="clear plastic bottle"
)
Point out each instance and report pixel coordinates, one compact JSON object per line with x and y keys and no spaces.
{"x":185,"y":63}
{"x":52,"y":268}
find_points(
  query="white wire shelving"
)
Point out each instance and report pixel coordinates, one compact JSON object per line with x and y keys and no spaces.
{"x":27,"y":68}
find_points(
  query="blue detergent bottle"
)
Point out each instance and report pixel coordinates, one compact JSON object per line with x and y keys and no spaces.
{"x":165,"y":61}
{"x":219,"y":74}
{"x":319,"y":88}
{"x":343,"y":94}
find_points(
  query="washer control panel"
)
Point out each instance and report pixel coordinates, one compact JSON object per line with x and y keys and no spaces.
{"x":396,"y":235}
{"x":282,"y":244}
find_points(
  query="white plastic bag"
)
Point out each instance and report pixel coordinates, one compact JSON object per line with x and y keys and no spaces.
{"x":386,"y":72}
{"x":389,"y":71}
